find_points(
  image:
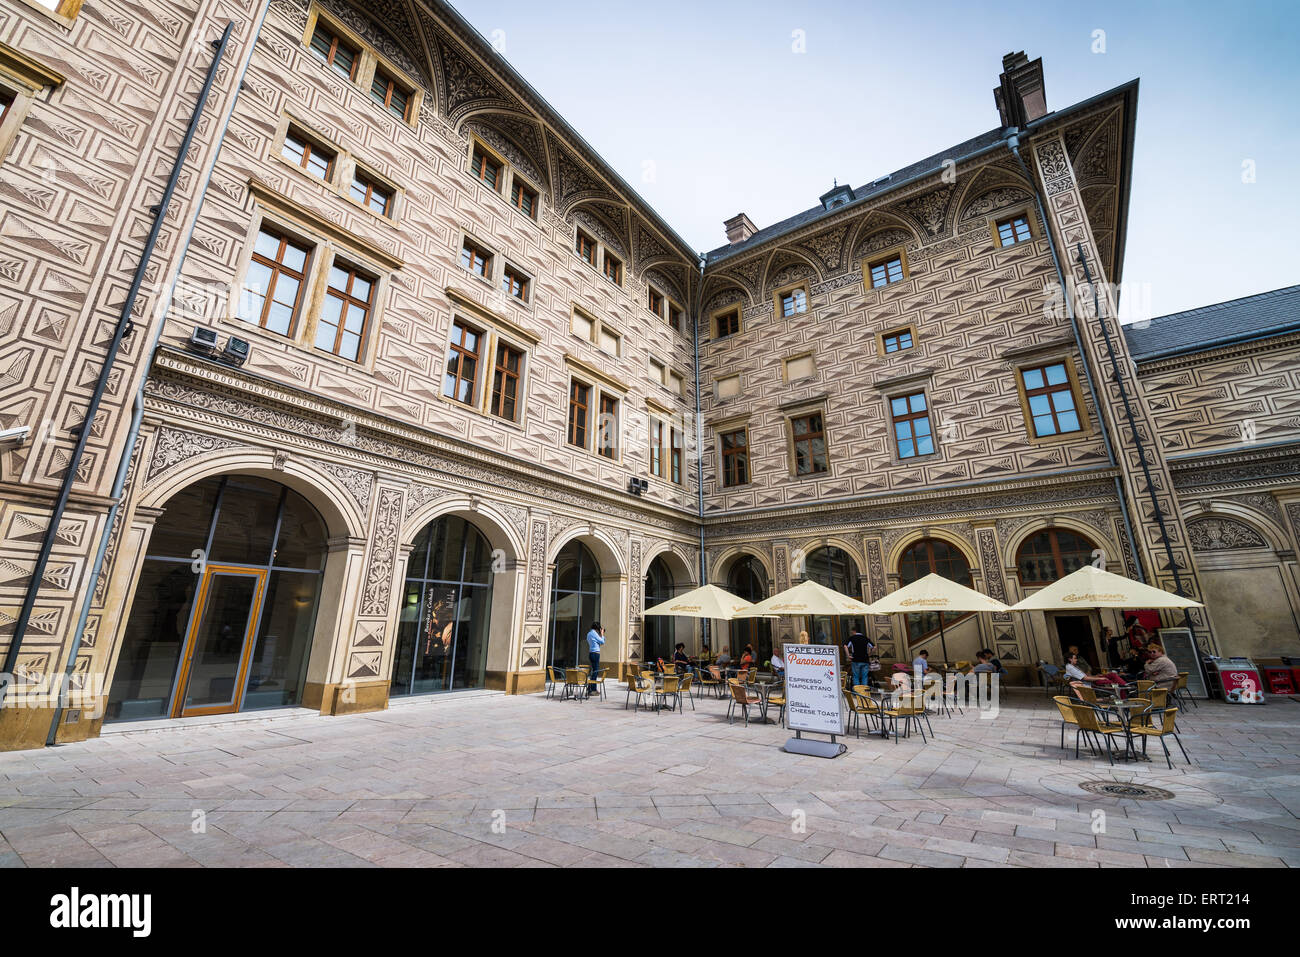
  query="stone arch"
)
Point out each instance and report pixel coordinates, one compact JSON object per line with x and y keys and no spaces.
{"x":810,"y":545}
{"x":511,"y":133}
{"x":486,"y":517}
{"x":603,"y":546}
{"x":723,"y":562}
{"x":940,"y":534}
{"x":1251,"y":521}
{"x":720,"y":292}
{"x":875,"y":223}
{"x":783,"y":259}
{"x":998,"y":185}
{"x":326,"y":493}
{"x":681,"y":566}
{"x":1099,"y":538}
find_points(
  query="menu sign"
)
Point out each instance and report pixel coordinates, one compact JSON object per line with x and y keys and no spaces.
{"x":814,"y":701}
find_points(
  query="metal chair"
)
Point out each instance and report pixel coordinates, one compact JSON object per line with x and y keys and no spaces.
{"x":1182,"y":694}
{"x":741,"y":697}
{"x":639,"y":686}
{"x":1167,"y":727}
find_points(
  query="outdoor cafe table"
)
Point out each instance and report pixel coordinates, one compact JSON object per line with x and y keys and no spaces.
{"x":575,"y":683}
{"x":1124,"y":709}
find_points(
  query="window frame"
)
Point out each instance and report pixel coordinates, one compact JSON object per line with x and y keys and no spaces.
{"x":910,"y":416}
{"x":717,"y":387}
{"x":785,"y":366}
{"x":524,"y":279}
{"x":489,"y":157}
{"x":576,"y":383}
{"x":1059,"y":566}
{"x":616,"y":276}
{"x":581,"y":237}
{"x":286,"y":237}
{"x":471,"y":244}
{"x":779,"y":296}
{"x":312,"y":142}
{"x":458,"y":320}
{"x":883,"y":337}
{"x":499,"y":374}
{"x":394,"y":83}
{"x":676,"y":317}
{"x":718,"y":314}
{"x":726,"y":455}
{"x":656,"y":461}
{"x":353,"y":270}
{"x":651,"y":295}
{"x":339,"y":39}
{"x":517,"y":182}
{"x":795,"y":439}
{"x":361,"y":174}
{"x":883,"y":257}
{"x":1023,"y":211}
{"x":1076,"y":395}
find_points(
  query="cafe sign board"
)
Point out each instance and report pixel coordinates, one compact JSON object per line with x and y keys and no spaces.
{"x":814,"y":700}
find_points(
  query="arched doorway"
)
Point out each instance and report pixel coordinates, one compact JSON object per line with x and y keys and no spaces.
{"x":942,"y":558}
{"x":660,"y":631}
{"x":1047,"y":556}
{"x":748,"y":580}
{"x":834,"y":568}
{"x":575,"y":604}
{"x":442,"y":634}
{"x":225,"y":606}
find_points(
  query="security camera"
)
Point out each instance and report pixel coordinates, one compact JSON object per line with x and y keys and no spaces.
{"x":15,"y":436}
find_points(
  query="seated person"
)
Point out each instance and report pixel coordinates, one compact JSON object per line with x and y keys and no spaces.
{"x":984,"y":663}
{"x":1160,"y":668}
{"x":921,"y":662}
{"x":682,"y":662}
{"x":747,"y":658}
{"x":1075,"y":673}
{"x":778,"y":664}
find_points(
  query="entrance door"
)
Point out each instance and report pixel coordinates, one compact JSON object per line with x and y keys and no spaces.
{"x":220,"y":641}
{"x":1075,"y":631}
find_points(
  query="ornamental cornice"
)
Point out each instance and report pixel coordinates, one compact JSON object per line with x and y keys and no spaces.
{"x":1231,"y":351}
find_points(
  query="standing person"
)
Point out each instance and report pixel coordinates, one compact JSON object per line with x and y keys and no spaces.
{"x":921,"y":662}
{"x":1137,"y":635}
{"x":595,"y":638}
{"x":1114,"y":646}
{"x":859,"y":647}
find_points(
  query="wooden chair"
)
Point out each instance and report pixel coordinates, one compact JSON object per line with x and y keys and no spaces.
{"x":741,"y":697}
{"x":1166,"y":727}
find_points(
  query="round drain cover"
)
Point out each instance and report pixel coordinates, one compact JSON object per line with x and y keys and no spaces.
{"x":1133,"y":792}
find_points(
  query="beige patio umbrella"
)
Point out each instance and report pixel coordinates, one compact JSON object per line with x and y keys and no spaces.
{"x":938,"y":594}
{"x":806,"y":598}
{"x":707,"y":601}
{"x":1091,"y":587}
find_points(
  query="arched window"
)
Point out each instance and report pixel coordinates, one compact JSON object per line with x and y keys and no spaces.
{"x":836,"y":569}
{"x":660,"y":634}
{"x":443,"y":629}
{"x":575,"y":604}
{"x":748,"y":579}
{"x":1051,"y":554}
{"x":225,"y":607}
{"x":921,"y":559}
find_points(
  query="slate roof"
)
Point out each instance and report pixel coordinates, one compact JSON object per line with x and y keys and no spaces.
{"x":1196,"y":330}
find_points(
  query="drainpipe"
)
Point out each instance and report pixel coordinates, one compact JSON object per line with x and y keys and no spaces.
{"x":699,"y":440}
{"x":1013,"y":144}
{"x":137,"y":412}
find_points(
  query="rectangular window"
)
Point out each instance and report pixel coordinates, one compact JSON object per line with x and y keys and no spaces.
{"x":886,"y":271}
{"x":607,"y":427}
{"x":6,"y":103}
{"x":385,"y":90}
{"x":505,"y":382}
{"x":579,"y":402}
{"x":298,"y":150}
{"x":462,"y":363}
{"x":273,"y":285}
{"x":675,"y":383}
{"x":656,"y":448}
{"x":334,"y":51}
{"x":347,"y":307}
{"x":674,"y":317}
{"x":799,"y":367}
{"x":912,"y":433}
{"x":476,"y":259}
{"x":794,"y":302}
{"x":370,"y":194}
{"x":514,"y":283}
{"x":613,"y":270}
{"x":609,"y":342}
{"x":675,"y":457}
{"x":896,"y":341}
{"x":523,"y":199}
{"x":656,"y":303}
{"x":1050,"y":398}
{"x":586,"y":247}
{"x":728,"y":323}
{"x":487,"y":169}
{"x":809,"y":444}
{"x":735,"y":458}
{"x":1013,"y":230}
{"x":728,"y":387}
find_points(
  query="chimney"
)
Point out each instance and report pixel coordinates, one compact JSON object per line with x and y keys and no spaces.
{"x":739,"y":228}
{"x":1020,"y":95}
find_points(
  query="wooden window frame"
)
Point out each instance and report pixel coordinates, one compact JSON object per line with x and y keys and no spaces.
{"x":657,"y":445}
{"x":676,"y":456}
{"x":881,"y":344}
{"x":910,"y":417}
{"x":796,"y":438}
{"x":501,"y":375}
{"x":1025,"y":212}
{"x":882,"y":258}
{"x":574,"y":426}
{"x":311,"y":144}
{"x":727,"y":311}
{"x":524,"y":281}
{"x":367,"y":307}
{"x":65,"y":12}
{"x":616,"y":275}
{"x":1076,"y":396}
{"x":655,"y":301}
{"x":337,"y":40}
{"x":581,"y":238}
{"x":676,"y":317}
{"x":392,"y":84}
{"x":779,"y":297}
{"x":481,"y":157}
{"x":475,"y":248}
{"x":373,"y":185}
{"x":460,"y":353}
{"x":276,"y":267}
{"x":1016,"y":238}
{"x":727,"y":455}
{"x":24,"y":80}
{"x":518,"y":185}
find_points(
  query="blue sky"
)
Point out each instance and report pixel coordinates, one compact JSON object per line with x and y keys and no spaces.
{"x":707,"y":111}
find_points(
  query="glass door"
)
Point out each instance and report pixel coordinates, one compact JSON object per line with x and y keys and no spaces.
{"x":220,"y":639}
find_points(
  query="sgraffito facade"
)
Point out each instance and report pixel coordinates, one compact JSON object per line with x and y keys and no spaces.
{"x":409,"y":394}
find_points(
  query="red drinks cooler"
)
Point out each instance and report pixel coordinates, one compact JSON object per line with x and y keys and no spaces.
{"x":1241,"y":681}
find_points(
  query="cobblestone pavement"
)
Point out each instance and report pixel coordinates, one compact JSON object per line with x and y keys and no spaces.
{"x":588,"y":783}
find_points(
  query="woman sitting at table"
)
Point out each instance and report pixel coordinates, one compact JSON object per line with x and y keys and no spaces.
{"x":1075,"y":673}
{"x":747,"y":658}
{"x":682,"y":662}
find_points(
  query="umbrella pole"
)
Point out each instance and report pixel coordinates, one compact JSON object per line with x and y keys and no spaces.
{"x":943,"y":642}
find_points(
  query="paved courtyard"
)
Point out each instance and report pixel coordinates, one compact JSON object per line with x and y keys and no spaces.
{"x":483,"y":779}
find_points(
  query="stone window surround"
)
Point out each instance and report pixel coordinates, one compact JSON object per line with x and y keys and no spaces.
{"x":495,"y":330}
{"x":1047,"y":353}
{"x":794,"y":410}
{"x":601,"y":384}
{"x":1023,"y":210}
{"x":884,"y":255}
{"x":508,"y":176}
{"x":778,"y":294}
{"x":370,"y":60}
{"x":25,"y":79}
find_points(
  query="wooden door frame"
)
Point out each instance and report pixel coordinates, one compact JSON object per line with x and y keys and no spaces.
{"x":178,"y":709}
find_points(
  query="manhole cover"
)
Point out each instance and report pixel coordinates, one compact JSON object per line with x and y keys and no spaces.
{"x":1133,"y":792}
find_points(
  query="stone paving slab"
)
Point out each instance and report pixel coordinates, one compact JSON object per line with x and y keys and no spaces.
{"x":486,"y":780}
